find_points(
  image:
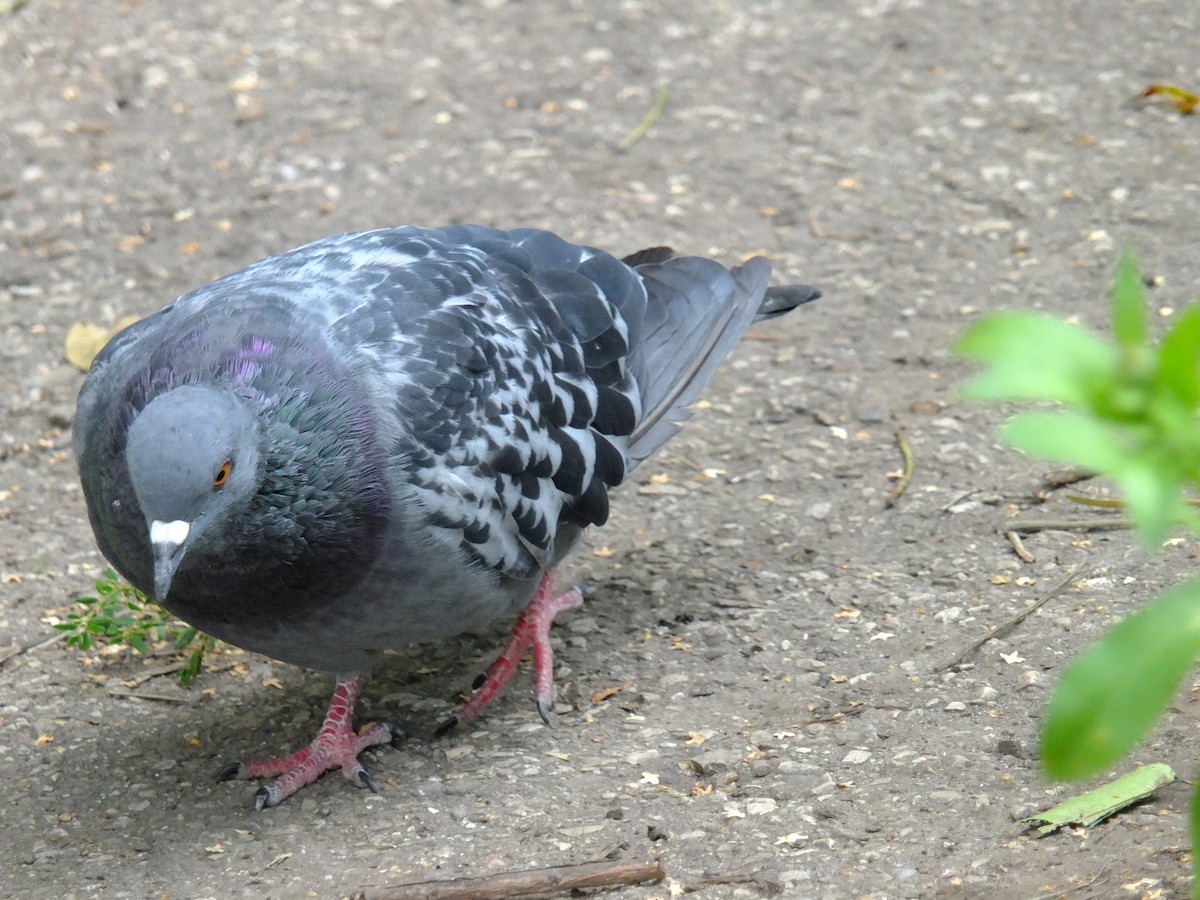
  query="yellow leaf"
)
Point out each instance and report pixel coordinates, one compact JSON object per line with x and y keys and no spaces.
{"x":605,"y":693}
{"x":86,"y":339}
{"x":1184,"y":101}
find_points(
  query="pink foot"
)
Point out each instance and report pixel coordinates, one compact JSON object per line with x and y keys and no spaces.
{"x":336,"y":746}
{"x":532,"y":630}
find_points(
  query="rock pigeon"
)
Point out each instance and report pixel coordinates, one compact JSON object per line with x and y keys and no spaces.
{"x":393,"y":436}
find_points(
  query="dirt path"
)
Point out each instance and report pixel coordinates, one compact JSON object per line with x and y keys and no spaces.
{"x":756,"y":685}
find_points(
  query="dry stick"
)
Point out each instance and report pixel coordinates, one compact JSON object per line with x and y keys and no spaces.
{"x":906,"y":475}
{"x":1102,"y":878}
{"x":142,"y":677}
{"x":818,"y":232}
{"x":1015,"y":620}
{"x":956,"y":500}
{"x":1063,"y":477}
{"x":1019,"y":547}
{"x":765,"y":884}
{"x":1109,"y":503}
{"x":640,"y":129}
{"x":1102,"y":502}
{"x":146,"y":695}
{"x":17,"y":650}
{"x":1028,"y":526}
{"x":529,"y":883}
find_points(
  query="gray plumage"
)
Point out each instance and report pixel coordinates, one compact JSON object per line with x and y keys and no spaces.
{"x":387,"y":437}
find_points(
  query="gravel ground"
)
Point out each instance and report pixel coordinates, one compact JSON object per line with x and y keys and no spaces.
{"x":760,"y":690}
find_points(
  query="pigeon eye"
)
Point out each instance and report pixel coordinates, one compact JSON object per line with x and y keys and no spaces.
{"x":222,"y":475}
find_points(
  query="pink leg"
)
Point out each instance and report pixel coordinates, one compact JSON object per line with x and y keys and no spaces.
{"x":336,"y":745}
{"x":532,"y":630}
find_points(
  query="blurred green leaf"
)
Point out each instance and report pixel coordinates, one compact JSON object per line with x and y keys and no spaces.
{"x":1071,"y":437}
{"x":1109,"y":698}
{"x":1035,"y":356}
{"x":1129,"y":304}
{"x":1179,"y":359}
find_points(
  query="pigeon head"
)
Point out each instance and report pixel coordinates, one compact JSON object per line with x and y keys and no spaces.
{"x":193,"y":459}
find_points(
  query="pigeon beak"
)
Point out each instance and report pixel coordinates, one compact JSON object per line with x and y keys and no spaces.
{"x":167,"y":539}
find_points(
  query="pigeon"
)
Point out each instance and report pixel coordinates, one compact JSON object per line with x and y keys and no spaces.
{"x":391,"y":437}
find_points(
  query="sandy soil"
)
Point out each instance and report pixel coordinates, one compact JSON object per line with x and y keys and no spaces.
{"x":758,"y":686}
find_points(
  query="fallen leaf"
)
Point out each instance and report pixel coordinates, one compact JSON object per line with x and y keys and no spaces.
{"x":86,"y":339}
{"x":605,"y":693}
{"x":1095,"y":806}
{"x":1184,"y":101}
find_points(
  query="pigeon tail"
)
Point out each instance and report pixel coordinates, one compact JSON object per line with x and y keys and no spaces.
{"x":696,"y":310}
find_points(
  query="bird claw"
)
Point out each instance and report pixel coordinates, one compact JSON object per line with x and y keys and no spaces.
{"x":232,"y":770}
{"x":337,"y":745}
{"x":531,"y":630}
{"x":398,"y":734}
{"x":262,"y":799}
{"x":365,"y":780}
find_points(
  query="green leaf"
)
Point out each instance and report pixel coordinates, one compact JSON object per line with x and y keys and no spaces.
{"x":192,"y":666}
{"x":1109,"y":698}
{"x":1152,"y":494}
{"x":1128,"y":304}
{"x":1035,"y":355}
{"x":1194,"y":820}
{"x":1068,"y":437}
{"x":1098,"y":804}
{"x":1179,"y":359}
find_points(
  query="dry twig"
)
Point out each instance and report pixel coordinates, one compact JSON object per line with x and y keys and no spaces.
{"x":768,"y":887}
{"x":815,"y":227}
{"x":142,"y":677}
{"x":640,"y":129}
{"x":1028,"y":526}
{"x":12,"y":650}
{"x":529,"y":883}
{"x":907,"y":474}
{"x":146,"y":695}
{"x":1062,"y":477}
{"x":1016,"y":620}
{"x":1019,"y":547}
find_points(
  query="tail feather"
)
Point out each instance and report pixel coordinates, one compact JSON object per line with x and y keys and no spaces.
{"x":784,"y":298}
{"x":696,"y":311}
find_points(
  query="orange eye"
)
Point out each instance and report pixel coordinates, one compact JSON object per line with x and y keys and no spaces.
{"x":222,"y":475}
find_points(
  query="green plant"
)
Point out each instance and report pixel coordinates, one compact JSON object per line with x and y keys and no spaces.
{"x":1131,"y":415}
{"x":121,"y":614}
